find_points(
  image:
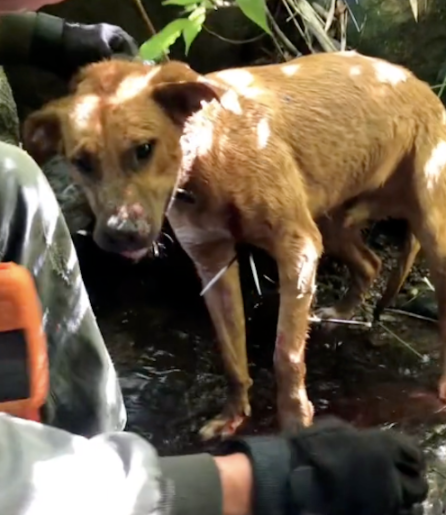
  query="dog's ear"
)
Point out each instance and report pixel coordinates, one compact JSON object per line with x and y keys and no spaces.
{"x":182,"y":99}
{"x":42,"y":133}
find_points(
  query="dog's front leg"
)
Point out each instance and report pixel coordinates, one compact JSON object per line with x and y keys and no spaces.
{"x":225,"y":305}
{"x":297,"y":259}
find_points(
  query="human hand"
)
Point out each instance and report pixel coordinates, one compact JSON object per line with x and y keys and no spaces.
{"x":84,"y":44}
{"x":332,"y":468}
{"x":339,"y":470}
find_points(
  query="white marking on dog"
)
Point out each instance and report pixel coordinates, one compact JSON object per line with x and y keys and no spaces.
{"x":348,"y":53}
{"x":132,"y":86}
{"x":355,"y":71}
{"x":84,"y":110}
{"x":435,"y":164}
{"x":238,"y":78}
{"x":290,"y":69}
{"x":241,"y":81}
{"x":263,"y":133}
{"x":389,"y":73}
{"x":306,"y":267}
{"x":231,"y":102}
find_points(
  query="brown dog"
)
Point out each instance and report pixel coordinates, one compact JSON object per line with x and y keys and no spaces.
{"x":265,"y":151}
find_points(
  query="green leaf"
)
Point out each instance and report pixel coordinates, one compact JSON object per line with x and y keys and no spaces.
{"x":159,"y":44}
{"x":193,"y":28}
{"x":255,"y":10}
{"x":182,"y":3}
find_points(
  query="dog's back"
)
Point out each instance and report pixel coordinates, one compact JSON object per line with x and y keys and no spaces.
{"x":349,"y":119}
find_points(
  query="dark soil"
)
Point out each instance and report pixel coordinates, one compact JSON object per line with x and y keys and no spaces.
{"x":162,"y":342}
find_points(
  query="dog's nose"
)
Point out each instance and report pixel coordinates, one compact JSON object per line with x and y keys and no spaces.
{"x":119,"y":235}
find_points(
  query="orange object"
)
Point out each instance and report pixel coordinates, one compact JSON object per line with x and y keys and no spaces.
{"x":24,"y":370}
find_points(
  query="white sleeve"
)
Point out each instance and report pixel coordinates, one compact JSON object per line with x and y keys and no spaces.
{"x":47,"y":471}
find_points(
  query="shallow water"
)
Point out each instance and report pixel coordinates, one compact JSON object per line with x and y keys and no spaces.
{"x":162,"y":342}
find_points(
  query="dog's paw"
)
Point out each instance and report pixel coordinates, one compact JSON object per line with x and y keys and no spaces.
{"x":295,"y":417}
{"x":226,"y":424}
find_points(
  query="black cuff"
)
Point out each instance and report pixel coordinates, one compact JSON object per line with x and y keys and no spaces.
{"x":47,"y":50}
{"x":271,"y":462}
{"x":196,"y":484}
{"x":16,"y":33}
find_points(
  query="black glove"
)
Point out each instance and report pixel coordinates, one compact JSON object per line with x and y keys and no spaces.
{"x":332,"y":468}
{"x":63,"y":47}
{"x":83,"y":44}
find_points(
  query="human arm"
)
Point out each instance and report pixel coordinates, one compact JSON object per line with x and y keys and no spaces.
{"x":56,"y":45}
{"x":85,"y":397}
{"x":46,"y":470}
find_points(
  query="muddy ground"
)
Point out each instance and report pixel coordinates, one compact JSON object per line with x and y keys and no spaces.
{"x":162,"y":342}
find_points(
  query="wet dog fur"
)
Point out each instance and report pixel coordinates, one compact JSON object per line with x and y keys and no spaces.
{"x":274,"y":156}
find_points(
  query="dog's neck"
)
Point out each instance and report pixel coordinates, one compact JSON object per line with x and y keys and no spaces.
{"x":195,"y":142}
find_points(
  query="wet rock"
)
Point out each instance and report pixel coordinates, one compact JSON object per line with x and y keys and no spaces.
{"x":71,"y":198}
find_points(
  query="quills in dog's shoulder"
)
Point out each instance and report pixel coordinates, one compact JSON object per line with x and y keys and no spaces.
{"x":185,"y":196}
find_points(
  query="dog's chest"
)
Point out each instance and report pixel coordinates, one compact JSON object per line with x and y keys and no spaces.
{"x":191,"y":235}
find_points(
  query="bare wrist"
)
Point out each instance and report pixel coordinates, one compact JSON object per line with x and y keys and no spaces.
{"x":236,"y":483}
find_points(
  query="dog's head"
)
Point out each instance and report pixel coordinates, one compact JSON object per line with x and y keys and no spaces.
{"x":120,"y":129}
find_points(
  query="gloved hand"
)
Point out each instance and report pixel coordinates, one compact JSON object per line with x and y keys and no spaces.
{"x":83,"y":44}
{"x":63,"y":47}
{"x":339,"y":470}
{"x":332,"y":468}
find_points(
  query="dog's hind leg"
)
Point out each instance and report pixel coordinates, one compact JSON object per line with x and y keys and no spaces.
{"x":399,"y":274}
{"x":347,"y":245}
{"x":428,"y":220}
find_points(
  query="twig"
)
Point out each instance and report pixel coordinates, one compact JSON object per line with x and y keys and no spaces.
{"x":353,"y":18}
{"x":330,"y":15}
{"x":234,"y":41}
{"x":399,"y":339}
{"x":152,"y":31}
{"x":286,"y":42}
{"x":320,"y":10}
{"x":313,"y":22}
{"x":292,"y":17}
{"x":411,"y":315}
{"x":343,"y":20}
{"x":429,"y":284}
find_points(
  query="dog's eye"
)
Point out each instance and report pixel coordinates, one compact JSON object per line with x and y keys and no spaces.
{"x":83,"y":163}
{"x":144,"y":151}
